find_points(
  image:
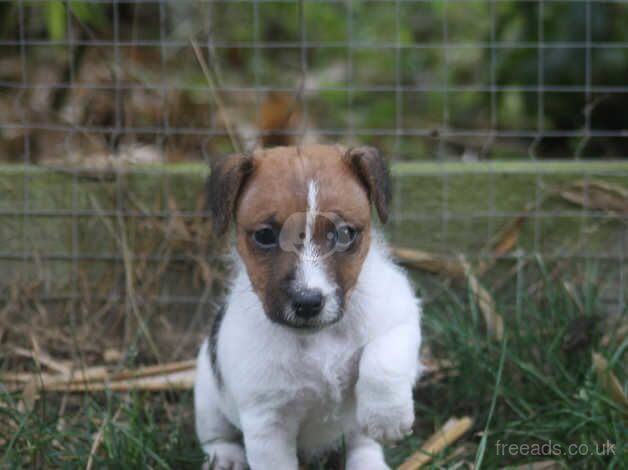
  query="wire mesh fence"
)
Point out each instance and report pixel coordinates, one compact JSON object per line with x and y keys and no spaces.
{"x":500,"y":118}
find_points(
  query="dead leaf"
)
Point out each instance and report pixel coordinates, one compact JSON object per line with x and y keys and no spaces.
{"x":508,"y":237}
{"x":29,"y":395}
{"x":428,"y":262}
{"x":503,"y":243}
{"x":609,"y":381}
{"x":598,"y":195}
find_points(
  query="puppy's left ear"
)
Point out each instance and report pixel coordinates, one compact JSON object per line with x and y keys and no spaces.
{"x":371,"y":169}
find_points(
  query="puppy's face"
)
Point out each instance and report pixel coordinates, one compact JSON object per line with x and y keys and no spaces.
{"x":303,"y":222}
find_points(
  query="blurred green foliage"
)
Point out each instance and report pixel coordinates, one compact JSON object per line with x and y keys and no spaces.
{"x":422,"y":67}
{"x":451,"y":55}
{"x":91,"y":14}
{"x":51,"y":17}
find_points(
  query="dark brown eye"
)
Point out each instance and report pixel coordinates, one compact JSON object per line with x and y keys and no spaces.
{"x":342,"y":237}
{"x":265,"y":238}
{"x":346,"y":235}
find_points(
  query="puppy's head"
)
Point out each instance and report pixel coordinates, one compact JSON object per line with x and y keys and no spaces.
{"x":303,"y":218}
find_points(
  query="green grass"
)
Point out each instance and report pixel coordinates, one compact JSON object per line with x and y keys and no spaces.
{"x":139,"y":431}
{"x":544,"y":392}
{"x":535,"y":387}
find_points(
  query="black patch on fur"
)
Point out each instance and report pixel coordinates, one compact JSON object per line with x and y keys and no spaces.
{"x":224,"y":186}
{"x":213,"y":345}
{"x":372,"y":171}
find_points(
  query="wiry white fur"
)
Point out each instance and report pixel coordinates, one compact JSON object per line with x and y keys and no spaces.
{"x":287,"y":392}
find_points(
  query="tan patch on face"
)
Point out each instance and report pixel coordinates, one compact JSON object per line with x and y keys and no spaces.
{"x":277,"y":189}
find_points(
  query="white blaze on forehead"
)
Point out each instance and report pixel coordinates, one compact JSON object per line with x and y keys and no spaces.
{"x":310,"y":218}
{"x":310,"y":272}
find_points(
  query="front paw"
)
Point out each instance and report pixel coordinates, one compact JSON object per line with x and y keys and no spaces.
{"x":387,"y":417}
{"x":224,"y":456}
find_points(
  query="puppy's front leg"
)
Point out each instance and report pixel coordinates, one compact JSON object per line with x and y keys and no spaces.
{"x":388,"y":370}
{"x":270,"y":440}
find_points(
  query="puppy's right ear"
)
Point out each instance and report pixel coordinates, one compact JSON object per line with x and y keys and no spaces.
{"x":224,"y":185}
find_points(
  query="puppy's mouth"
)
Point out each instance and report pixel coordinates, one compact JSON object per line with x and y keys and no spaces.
{"x":309,"y":326}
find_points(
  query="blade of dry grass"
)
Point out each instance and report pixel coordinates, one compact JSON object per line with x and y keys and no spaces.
{"x":178,"y":375}
{"x":451,"y":431}
{"x":217,"y":98}
{"x":43,"y":359}
{"x":180,"y":380}
{"x":17,"y":377}
{"x":157,"y":369}
{"x":119,"y":235}
{"x":98,"y":439}
{"x":486,"y":303}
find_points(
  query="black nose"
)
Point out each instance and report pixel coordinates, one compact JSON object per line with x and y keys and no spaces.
{"x":307,"y":303}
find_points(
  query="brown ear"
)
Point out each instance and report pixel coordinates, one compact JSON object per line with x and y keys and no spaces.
{"x":223,"y":188}
{"x":372,"y":171}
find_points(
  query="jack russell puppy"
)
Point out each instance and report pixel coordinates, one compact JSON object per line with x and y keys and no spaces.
{"x":318,"y":341}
